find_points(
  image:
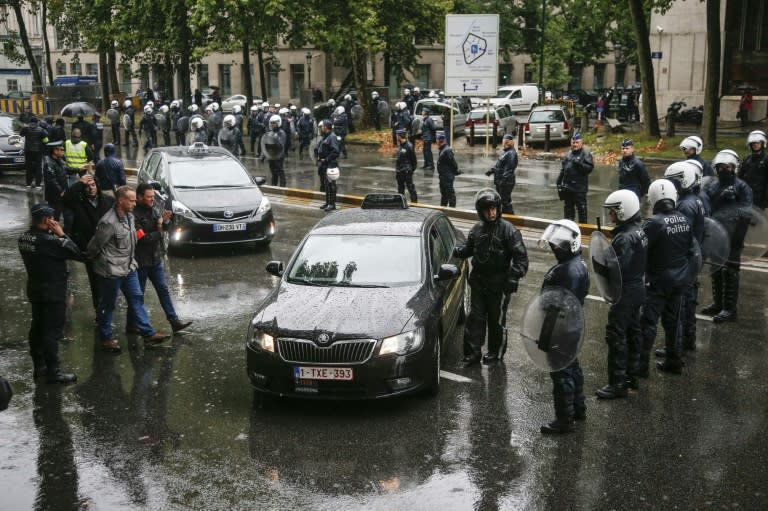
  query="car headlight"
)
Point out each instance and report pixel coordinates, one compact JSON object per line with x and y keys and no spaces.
{"x":407,"y":342}
{"x":181,"y":210}
{"x":260,"y":340}
{"x":264,"y":206}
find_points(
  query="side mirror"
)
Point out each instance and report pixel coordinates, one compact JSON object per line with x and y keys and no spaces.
{"x":447,"y":272}
{"x":260,"y":180}
{"x":275,"y":268}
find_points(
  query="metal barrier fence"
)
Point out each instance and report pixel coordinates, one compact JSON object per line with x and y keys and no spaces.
{"x":18,"y":106}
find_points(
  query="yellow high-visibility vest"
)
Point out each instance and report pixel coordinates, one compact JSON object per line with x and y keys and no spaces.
{"x":76,"y":154}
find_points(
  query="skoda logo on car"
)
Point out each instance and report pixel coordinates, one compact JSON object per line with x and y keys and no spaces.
{"x":323,"y":339}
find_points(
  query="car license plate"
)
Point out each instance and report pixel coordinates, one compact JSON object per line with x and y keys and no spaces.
{"x":228,"y":227}
{"x":18,"y":159}
{"x":322,"y":373}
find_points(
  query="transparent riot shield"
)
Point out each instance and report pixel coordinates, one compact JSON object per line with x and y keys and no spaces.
{"x":356,"y":112}
{"x":747,"y":229}
{"x":695,"y":261}
{"x":716,"y":244}
{"x":552,"y":328}
{"x":162,"y":121}
{"x":605,"y":267}
{"x":271,"y":146}
{"x":384,"y":112}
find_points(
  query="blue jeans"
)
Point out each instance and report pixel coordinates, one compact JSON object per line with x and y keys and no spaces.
{"x":137,"y":315}
{"x":156,"y":275}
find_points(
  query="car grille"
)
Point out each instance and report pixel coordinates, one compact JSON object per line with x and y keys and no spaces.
{"x":218,"y":215}
{"x":303,"y":351}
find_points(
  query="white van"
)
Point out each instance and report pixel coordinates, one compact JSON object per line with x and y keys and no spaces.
{"x":521,"y":99}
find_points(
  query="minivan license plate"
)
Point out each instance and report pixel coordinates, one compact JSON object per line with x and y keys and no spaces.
{"x":228,"y":227}
{"x":322,"y":373}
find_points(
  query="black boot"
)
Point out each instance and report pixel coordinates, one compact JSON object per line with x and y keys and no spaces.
{"x":55,"y":375}
{"x":717,"y":294}
{"x":331,"y":194}
{"x":612,"y":391}
{"x":671,"y":365}
{"x":558,"y":427}
{"x":730,"y":297}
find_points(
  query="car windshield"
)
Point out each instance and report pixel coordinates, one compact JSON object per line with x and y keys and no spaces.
{"x":503,"y":94}
{"x":208,"y":173}
{"x":481,"y":115}
{"x":432,"y":108}
{"x":6,"y":127}
{"x":358,"y":261}
{"x":547,"y":116}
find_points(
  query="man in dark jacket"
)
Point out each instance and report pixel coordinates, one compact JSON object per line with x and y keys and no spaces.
{"x":57,"y":133}
{"x":57,"y":176}
{"x":753,"y":169}
{"x":573,"y":182}
{"x":632,"y":172}
{"x":110,"y":172}
{"x":427,"y":137}
{"x":499,"y":261}
{"x":35,"y":138}
{"x":327,"y":158}
{"x":149,"y":254}
{"x":447,"y":170}
{"x":94,"y":136}
{"x":570,"y":273}
{"x":405,"y":165}
{"x":504,"y":173}
{"x":88,"y":204}
{"x":45,"y":250}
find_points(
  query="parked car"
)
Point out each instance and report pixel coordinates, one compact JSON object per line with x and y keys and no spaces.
{"x":237,"y":99}
{"x":213,"y":197}
{"x":519,"y":98}
{"x":11,"y":145}
{"x":484,"y":119}
{"x":350,"y":321}
{"x":558,"y":118}
{"x":436,"y":111}
{"x":19,"y":94}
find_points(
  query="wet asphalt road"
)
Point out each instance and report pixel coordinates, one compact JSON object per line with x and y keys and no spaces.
{"x":178,"y":427}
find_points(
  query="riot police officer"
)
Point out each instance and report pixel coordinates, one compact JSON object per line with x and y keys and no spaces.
{"x":409,"y":100}
{"x":564,"y":239}
{"x":427,"y":138}
{"x":113,"y":114}
{"x":401,"y":120}
{"x":276,"y":162}
{"x":180,"y":122}
{"x":327,"y":158}
{"x":670,"y":245}
{"x":374,"y":113}
{"x":632,"y":172}
{"x":731,"y":200}
{"x":35,"y":138}
{"x":683,"y":175}
{"x":622,"y":332}
{"x":230,"y":137}
{"x":197,"y":131}
{"x":129,"y":115}
{"x":691,"y":147}
{"x":163,"y":118}
{"x":573,"y":181}
{"x":405,"y":165}
{"x":45,"y":250}
{"x":305,"y":126}
{"x":447,"y":170}
{"x":499,"y":261}
{"x":148,"y":126}
{"x":237,"y":111}
{"x":504,"y":173}
{"x":754,"y":168}
{"x":340,"y":125}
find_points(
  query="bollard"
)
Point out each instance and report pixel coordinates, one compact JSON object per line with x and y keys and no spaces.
{"x":495,"y":134}
{"x":546,"y":138}
{"x":472,"y":134}
{"x":519,"y":137}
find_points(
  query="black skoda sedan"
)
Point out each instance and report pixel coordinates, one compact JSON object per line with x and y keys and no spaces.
{"x":363,"y":306}
{"x":213,"y":197}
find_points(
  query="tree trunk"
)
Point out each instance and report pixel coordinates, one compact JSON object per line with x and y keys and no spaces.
{"x":46,"y":44}
{"x":262,"y":79}
{"x":104,"y":79}
{"x":712,"y":78}
{"x":360,"y":68}
{"x":114,"y":84}
{"x":37,"y":82}
{"x":246,"y":73}
{"x":640,"y":26}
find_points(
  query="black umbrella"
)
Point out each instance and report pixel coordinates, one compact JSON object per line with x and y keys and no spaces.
{"x":77,"y":109}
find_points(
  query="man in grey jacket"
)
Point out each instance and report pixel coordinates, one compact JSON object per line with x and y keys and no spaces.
{"x":112,"y":250}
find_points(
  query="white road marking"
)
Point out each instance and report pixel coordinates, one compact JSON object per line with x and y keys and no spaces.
{"x":455,"y":377}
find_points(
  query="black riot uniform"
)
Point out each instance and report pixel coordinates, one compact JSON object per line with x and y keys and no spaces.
{"x":34,"y":151}
{"x":622,"y":332}
{"x":706,"y":168}
{"x":690,"y":205}
{"x":670,"y":243}
{"x":148,"y":126}
{"x":113,"y":114}
{"x":633,"y":175}
{"x":276,"y":166}
{"x":731,"y":200}
{"x":754,"y":171}
{"x":447,"y":170}
{"x":129,"y":125}
{"x":373,"y":114}
{"x":504,"y":176}
{"x":404,"y":167}
{"x":305,"y":126}
{"x":328,"y":151}
{"x":570,"y":273}
{"x":499,"y":261}
{"x":45,"y":258}
{"x":340,"y":125}
{"x":573,"y":183}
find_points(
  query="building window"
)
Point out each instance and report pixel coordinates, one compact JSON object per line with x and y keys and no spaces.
{"x":297,"y":80}
{"x":75,"y":68}
{"x":61,"y":68}
{"x":599,"y":82}
{"x":505,"y":74}
{"x":576,"y":71}
{"x":528,"y":73}
{"x":13,"y":85}
{"x":273,"y":81}
{"x":421,"y":75}
{"x":92,"y":69}
{"x":125,"y":78}
{"x":202,"y":76}
{"x":225,"y":79}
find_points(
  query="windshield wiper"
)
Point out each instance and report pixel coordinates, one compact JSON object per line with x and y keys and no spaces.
{"x":350,"y":284}
{"x":223,"y":186}
{"x":183,"y":186}
{"x":308,"y":282}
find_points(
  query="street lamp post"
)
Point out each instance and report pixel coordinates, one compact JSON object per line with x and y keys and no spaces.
{"x":308,"y":56}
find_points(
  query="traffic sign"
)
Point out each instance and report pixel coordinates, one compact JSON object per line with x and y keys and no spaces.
{"x":471,"y":54}
{"x":656,"y":55}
